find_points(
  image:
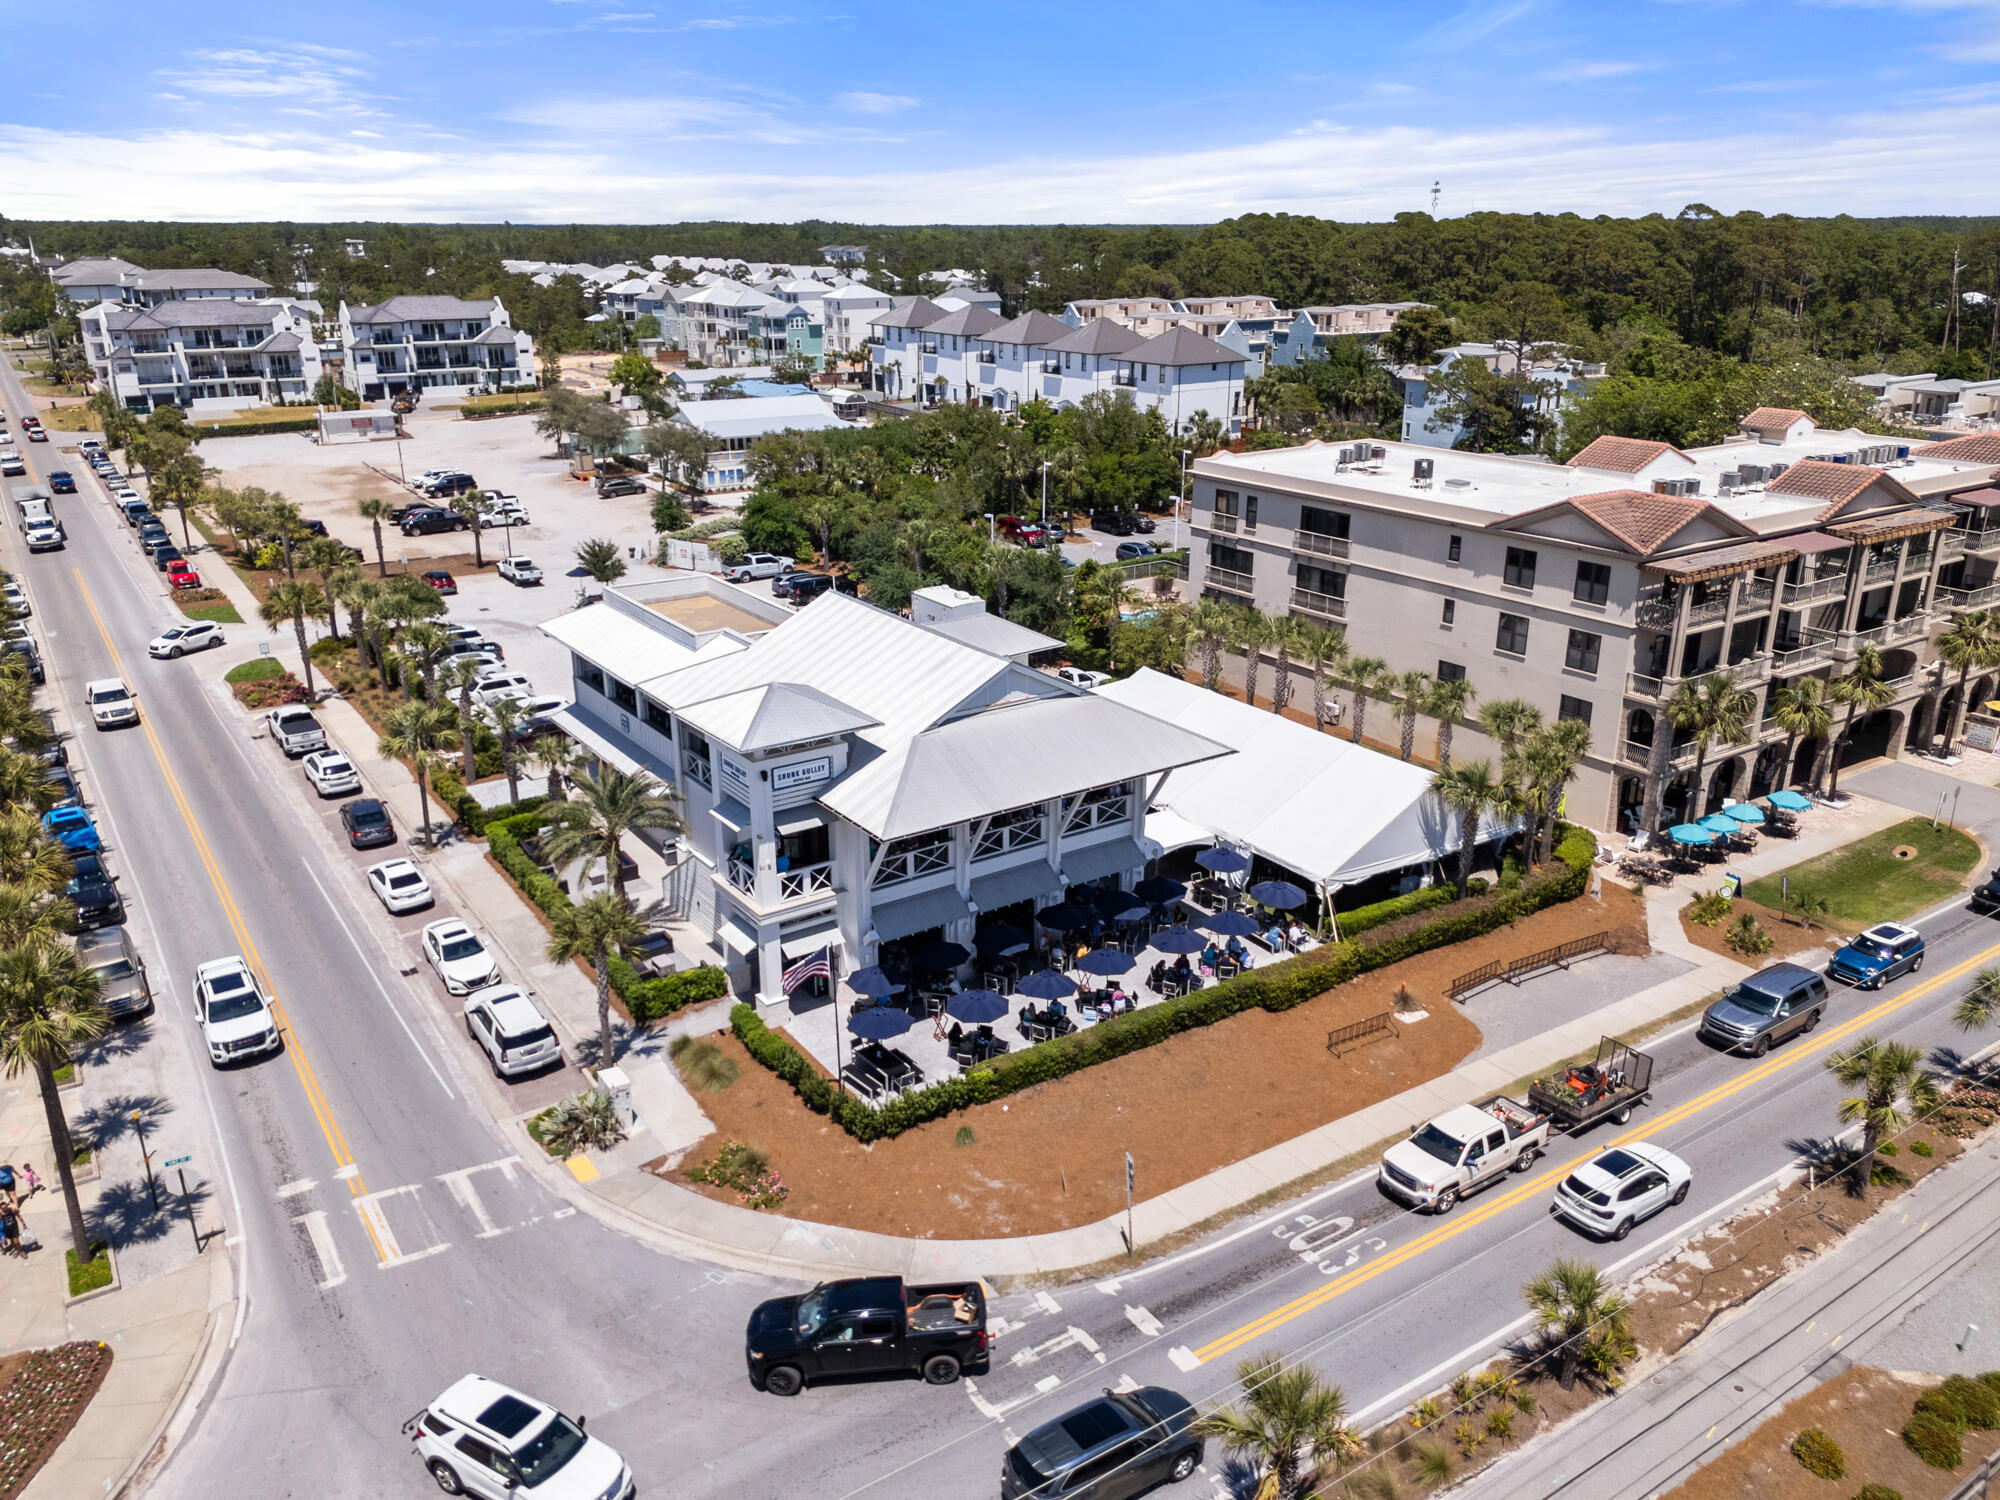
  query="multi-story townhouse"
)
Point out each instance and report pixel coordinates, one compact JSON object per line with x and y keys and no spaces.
{"x":846,"y":312}
{"x":957,"y":357}
{"x":1126,"y":310}
{"x":1010,"y":358}
{"x":196,"y":283}
{"x":1963,"y":405}
{"x":95,"y":279}
{"x":1556,"y":376}
{"x":1595,"y":589}
{"x":716,"y":318}
{"x":730,"y":424}
{"x":1182,"y":375}
{"x":213,"y":349}
{"x":418,"y":343}
{"x":851,"y":779}
{"x":1305,"y":334}
{"x":904,"y":357}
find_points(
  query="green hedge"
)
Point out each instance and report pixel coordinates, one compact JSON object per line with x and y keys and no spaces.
{"x":1364,"y":917}
{"x":646,"y":998}
{"x":465,"y":808}
{"x":207,"y":431}
{"x":1272,"y":987}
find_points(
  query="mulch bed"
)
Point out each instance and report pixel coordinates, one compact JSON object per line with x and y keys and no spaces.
{"x":1789,"y":936}
{"x":46,"y":1391}
{"x":1051,"y":1157}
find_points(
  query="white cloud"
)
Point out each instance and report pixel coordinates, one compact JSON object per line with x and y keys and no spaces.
{"x":1579,"y":70}
{"x":862,"y":102}
{"x":1475,"y":23}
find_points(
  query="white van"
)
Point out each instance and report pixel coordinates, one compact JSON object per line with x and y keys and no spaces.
{"x":33,"y":509}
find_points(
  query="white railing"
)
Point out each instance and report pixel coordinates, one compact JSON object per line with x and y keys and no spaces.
{"x":742,"y":875}
{"x":1317,"y":603}
{"x":697,"y":770}
{"x":805,"y":880}
{"x":1319,"y":544}
{"x":1231,"y":579}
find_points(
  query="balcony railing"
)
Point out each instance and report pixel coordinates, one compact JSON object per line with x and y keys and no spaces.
{"x":1709,"y":610}
{"x":1908,"y":628}
{"x":1980,"y":539}
{"x":1125,"y":378}
{"x":1787,"y":660}
{"x":1881,"y":567}
{"x":1950,"y":544}
{"x":804,"y":881}
{"x":696,"y":768}
{"x":1051,"y":367}
{"x":1216,"y":520}
{"x":1318,"y":544}
{"x":1656,"y":613}
{"x":1755,"y":595}
{"x":1979,"y":598}
{"x":1816,"y":590}
{"x":1645,"y":685}
{"x":742,"y":875}
{"x":1642,"y":755}
{"x":1229,"y":578}
{"x":1311,"y":601}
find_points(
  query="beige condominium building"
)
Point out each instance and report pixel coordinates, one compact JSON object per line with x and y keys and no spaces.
{"x":1594,"y":589}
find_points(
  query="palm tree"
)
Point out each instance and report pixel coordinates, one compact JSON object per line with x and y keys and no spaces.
{"x":461,"y":677}
{"x":1254,"y":631}
{"x":1801,"y":711}
{"x":1471,"y":792}
{"x":1574,"y":1305}
{"x":414,"y":731}
{"x":1712,"y":709}
{"x":1363,"y":675}
{"x":1862,"y":687}
{"x":30,"y":860}
{"x":1285,"y":636}
{"x":589,"y":930}
{"x":1325,"y":646}
{"x":1213,"y":623}
{"x":1972,"y":641}
{"x":1549,"y":757}
{"x":1415,"y":690}
{"x":507,"y":715}
{"x":49,"y":1006}
{"x":467,"y":503}
{"x":600,"y":558}
{"x":1449,"y":700}
{"x":294,"y":601}
{"x":1981,"y":1003}
{"x":1506,"y":720}
{"x":360,"y":593}
{"x":375,"y":510}
{"x":1288,"y":1423}
{"x":177,"y":485}
{"x":328,"y":558}
{"x":423,"y":644}
{"x":555,"y":756}
{"x":610,"y":805}
{"x":24,"y":780}
{"x":1886,"y":1073}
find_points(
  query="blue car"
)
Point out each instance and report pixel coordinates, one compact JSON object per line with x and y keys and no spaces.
{"x":61,"y":482}
{"x":71,"y":827}
{"x":1878,"y":955}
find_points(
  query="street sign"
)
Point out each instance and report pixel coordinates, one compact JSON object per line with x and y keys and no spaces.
{"x":178,"y":1161}
{"x":1128,"y":1172}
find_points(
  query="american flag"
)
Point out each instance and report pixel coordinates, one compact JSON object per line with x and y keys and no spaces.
{"x":817,"y":966}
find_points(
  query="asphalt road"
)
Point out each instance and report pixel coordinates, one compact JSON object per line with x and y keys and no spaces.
{"x":388,"y":1243}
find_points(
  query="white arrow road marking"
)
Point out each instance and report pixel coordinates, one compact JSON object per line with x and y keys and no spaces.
{"x":370,"y":1208}
{"x":1071,"y":1337}
{"x":460,"y":1183}
{"x":1183,"y":1357}
{"x":333,"y":1273}
{"x":1047,"y":1303}
{"x":293,"y":1189}
{"x":1047,"y":1383}
{"x":1144,"y":1321}
{"x":987,"y":1409}
{"x":1126,"y":1383}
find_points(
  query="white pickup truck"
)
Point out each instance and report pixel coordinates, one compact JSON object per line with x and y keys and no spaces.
{"x":1461,"y":1151}
{"x":295,"y":729}
{"x":758,"y":565}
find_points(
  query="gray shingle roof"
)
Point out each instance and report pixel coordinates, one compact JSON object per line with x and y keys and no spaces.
{"x":205,"y":312}
{"x":1182,"y":346}
{"x":95,"y":271}
{"x":198,"y":279}
{"x":968,"y":322}
{"x":1034,"y":329}
{"x":910,"y":312}
{"x":1098,"y":336}
{"x":408,"y":309}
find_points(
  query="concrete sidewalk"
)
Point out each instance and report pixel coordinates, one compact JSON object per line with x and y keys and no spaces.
{"x":1808,"y":1328}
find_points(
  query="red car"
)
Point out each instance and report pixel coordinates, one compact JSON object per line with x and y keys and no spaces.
{"x":442,"y":581}
{"x":181,"y":576}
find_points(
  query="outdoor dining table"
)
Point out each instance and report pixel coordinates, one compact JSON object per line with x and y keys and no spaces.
{"x":890,"y":1063}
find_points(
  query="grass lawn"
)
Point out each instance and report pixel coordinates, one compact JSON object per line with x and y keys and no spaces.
{"x":523,"y":401}
{"x":69,"y":419}
{"x":1864,"y":882}
{"x":219,"y":610}
{"x":91,"y":1274}
{"x":257,"y":669}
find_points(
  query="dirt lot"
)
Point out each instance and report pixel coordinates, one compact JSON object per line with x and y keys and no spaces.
{"x":1862,"y":1410}
{"x":1050,"y":1157}
{"x":1789,"y":937}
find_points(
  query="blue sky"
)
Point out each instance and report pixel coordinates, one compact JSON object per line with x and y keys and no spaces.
{"x":659,"y":110}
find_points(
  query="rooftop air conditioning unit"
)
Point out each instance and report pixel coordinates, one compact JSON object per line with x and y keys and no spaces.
{"x":1377,"y":452}
{"x":1422,"y":470}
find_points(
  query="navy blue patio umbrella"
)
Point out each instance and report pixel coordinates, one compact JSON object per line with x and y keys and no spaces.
{"x":1105,"y":961}
{"x":1066,"y":916}
{"x":979,"y":1007}
{"x":1179,"y":940}
{"x":940,"y":955}
{"x":1280,"y":895}
{"x":877,"y":1023}
{"x":1001,"y":938}
{"x":1046,"y":984}
{"x":1159,"y":889}
{"x":1231,"y":924}
{"x":1123,"y":906}
{"x":874,"y":981}
{"x":1222,"y":861}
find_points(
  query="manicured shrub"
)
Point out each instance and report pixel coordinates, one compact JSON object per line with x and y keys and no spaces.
{"x":1877,"y":1492}
{"x":1921,"y":1148}
{"x":1934,"y":1440}
{"x":1943,"y":1402}
{"x":1364,"y":917}
{"x":1820,"y":1454}
{"x":1709,"y":909}
{"x":1748,"y":936}
{"x":1976,"y":1400}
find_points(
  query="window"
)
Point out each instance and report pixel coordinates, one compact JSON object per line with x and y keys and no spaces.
{"x":1453,"y":548}
{"x":624,"y":696}
{"x":1249,"y":512}
{"x":919,"y":854}
{"x":1520,"y":571}
{"x":1513,"y":636}
{"x":1593,"y":583}
{"x":1328,"y":581}
{"x":1583,"y":651}
{"x":1225,"y":502}
{"x":1450,"y":611}
{"x":1323,"y":522}
{"x":1574,"y":708}
{"x":586,"y":674}
{"x":657,"y":718}
{"x":1450,"y":671}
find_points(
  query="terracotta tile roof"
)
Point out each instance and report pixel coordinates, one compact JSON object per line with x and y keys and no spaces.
{"x":1977,"y":448}
{"x":1897,"y":523}
{"x":1836,"y":484}
{"x":1720,"y":562}
{"x":1643,"y":521}
{"x":1622,"y":455}
{"x":1771,"y":418}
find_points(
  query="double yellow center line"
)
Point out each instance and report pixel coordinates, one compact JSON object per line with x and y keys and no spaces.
{"x":336,"y":1140}
{"x":1791,"y":1057}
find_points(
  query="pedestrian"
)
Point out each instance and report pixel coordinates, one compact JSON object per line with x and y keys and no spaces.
{"x":10,"y":1229}
{"x":31,"y":1184}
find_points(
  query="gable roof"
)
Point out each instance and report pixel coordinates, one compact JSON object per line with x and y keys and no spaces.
{"x":1622,"y":455}
{"x":909,"y":312}
{"x":1837,"y":484}
{"x":1183,"y":346}
{"x":94,"y":271}
{"x":1975,"y":448}
{"x":1642,"y":521}
{"x":777,"y":713}
{"x":1099,"y":336}
{"x":1772,"y":418}
{"x":403,"y":309}
{"x":970,"y":321}
{"x":1031,"y":328}
{"x":197,"y":278}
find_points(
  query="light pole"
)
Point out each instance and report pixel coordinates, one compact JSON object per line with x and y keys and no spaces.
{"x":990,"y":523}
{"x":1045,"y":499}
{"x":1180,"y":499}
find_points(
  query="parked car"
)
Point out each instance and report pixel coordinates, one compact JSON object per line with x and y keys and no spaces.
{"x":803,"y":587}
{"x":25,"y":649}
{"x":111,"y":702}
{"x":367,"y":823}
{"x":181,"y":576}
{"x":620,"y":484}
{"x":62,"y":783}
{"x":1143,"y":523}
{"x":480,"y":1438}
{"x":441,"y":485}
{"x":441,"y":580}
{"x":72,"y":828}
{"x":399,"y":885}
{"x":1782,"y":1001}
{"x":1463,"y":1150}
{"x":1607,"y":1195}
{"x":294,"y":730}
{"x":165,"y":557}
{"x":1083,"y":677}
{"x":1122,"y":1443}
{"x":520,"y":571}
{"x":429,"y":522}
{"x":92,"y":893}
{"x":236,"y":1021}
{"x":515,"y":685}
{"x":62,"y":482}
{"x":1987,"y":897}
{"x":758,"y":565}
{"x":865,"y":1326}
{"x":331,"y":773}
{"x":201,"y":635}
{"x":17,"y":598}
{"x":109,"y":953}
{"x":1877,"y":955}
{"x":514,"y":1035}
{"x":460,"y":960}
{"x":1127,"y":551}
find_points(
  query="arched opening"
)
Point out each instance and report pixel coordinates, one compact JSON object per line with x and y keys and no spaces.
{"x":1631,"y":801}
{"x":1982,"y":692}
{"x":1804,"y":759}
{"x":1949,"y":713}
{"x":1678,"y":798}
{"x":1639,"y":727}
{"x":1721,"y":784}
{"x":1768,"y":774}
{"x":1923,"y":724}
{"x":1872,"y":737}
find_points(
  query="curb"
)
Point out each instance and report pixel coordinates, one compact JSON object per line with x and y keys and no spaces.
{"x":102,"y":1291}
{"x":196,"y":1382}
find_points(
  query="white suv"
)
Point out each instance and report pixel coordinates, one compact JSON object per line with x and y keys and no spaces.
{"x":111,"y":702}
{"x":236,"y":1020}
{"x":480,"y":1438}
{"x":453,"y":949}
{"x":515,"y":1036}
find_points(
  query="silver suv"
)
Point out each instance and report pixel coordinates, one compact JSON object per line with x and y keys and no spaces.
{"x":1771,"y":1005}
{"x":108,"y":953}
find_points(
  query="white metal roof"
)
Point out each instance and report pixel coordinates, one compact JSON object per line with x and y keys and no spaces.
{"x":624,"y":647}
{"x":754,"y":416}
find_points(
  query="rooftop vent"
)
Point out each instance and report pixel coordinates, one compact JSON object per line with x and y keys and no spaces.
{"x":1458,"y":484}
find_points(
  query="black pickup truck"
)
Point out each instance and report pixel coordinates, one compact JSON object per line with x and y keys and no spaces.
{"x":872,"y":1325}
